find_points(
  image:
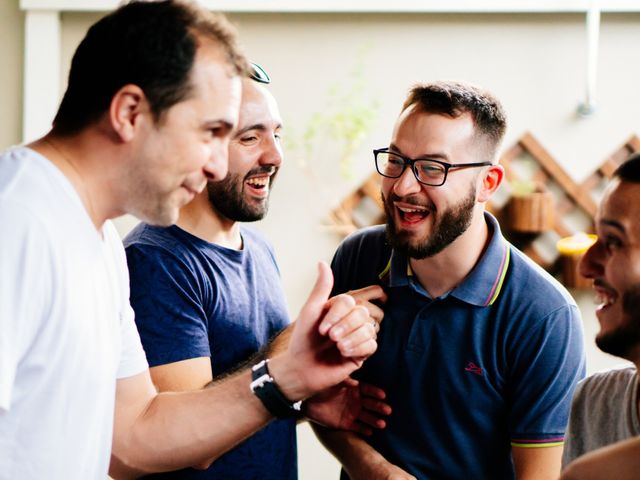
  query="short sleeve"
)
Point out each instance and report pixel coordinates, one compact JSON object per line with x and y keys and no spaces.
{"x":132,"y":359}
{"x":573,"y":443}
{"x":548,"y":364}
{"x":167,"y":301}
{"x":25,"y":289}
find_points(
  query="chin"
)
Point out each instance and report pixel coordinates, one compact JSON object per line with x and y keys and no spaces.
{"x":161,"y":217}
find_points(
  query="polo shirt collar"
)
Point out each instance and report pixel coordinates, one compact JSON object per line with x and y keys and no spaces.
{"x":483,"y":284}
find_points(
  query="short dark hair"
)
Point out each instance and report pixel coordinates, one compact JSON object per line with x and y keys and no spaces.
{"x":629,"y":170}
{"x":148,"y":44}
{"x":454,"y":99}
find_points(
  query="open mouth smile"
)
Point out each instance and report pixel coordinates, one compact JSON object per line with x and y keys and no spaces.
{"x":259,"y":185}
{"x":412,"y":214}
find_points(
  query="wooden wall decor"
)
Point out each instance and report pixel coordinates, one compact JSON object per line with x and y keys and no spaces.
{"x":594,"y":184}
{"x":574,"y":207}
{"x":361,"y":208}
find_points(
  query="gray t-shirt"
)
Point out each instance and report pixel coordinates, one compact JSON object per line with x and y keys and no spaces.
{"x":604,"y":411}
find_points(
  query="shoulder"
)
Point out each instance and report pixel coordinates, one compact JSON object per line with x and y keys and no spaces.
{"x":360,"y":258}
{"x":607,"y":382}
{"x":529,"y":283}
{"x":253,"y":238}
{"x":29,"y":183}
{"x":149,"y":242}
{"x":153,"y":251}
{"x":259,"y":249}
{"x":145,"y":234}
{"x":366,"y":241}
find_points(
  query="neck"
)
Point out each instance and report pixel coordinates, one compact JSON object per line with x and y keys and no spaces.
{"x":200,"y":219}
{"x":446,"y":270}
{"x":75,"y":157}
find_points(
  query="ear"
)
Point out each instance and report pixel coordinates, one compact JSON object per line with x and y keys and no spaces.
{"x":490,"y":181}
{"x":128,"y":107}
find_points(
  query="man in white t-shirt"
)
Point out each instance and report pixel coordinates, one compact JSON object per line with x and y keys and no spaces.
{"x":605,"y":406}
{"x":152,"y":98}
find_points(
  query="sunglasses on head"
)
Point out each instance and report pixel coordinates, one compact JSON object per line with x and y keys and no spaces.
{"x":258,"y":74}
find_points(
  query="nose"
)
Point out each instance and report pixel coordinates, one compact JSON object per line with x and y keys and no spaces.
{"x":591,"y":264}
{"x":272,"y":153}
{"x":217,"y":162}
{"x":406,"y":184}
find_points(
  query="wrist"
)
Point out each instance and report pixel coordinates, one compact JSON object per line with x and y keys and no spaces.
{"x":264,"y":386}
{"x":288,"y":379}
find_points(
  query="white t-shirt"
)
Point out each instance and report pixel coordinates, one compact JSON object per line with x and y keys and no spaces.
{"x":66,"y":326}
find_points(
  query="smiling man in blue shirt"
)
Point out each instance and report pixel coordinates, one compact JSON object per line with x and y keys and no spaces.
{"x":480,"y":350}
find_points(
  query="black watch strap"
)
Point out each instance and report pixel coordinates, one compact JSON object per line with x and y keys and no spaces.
{"x":264,"y":387}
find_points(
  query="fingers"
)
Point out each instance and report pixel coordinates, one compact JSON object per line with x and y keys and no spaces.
{"x":372,"y":391}
{"x":315,"y":304}
{"x":338,"y":307}
{"x":366,"y":296}
{"x":371,"y":420}
{"x":352,"y":382}
{"x":369,"y":294}
{"x":376,"y":406}
{"x":354,"y":334}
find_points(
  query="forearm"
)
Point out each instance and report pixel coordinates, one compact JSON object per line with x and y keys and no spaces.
{"x":280,"y":342}
{"x":176,"y":430}
{"x":619,"y":460}
{"x":358,"y":458}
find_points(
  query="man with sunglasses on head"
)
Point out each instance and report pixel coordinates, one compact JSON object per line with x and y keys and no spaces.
{"x":208,"y":296}
{"x":152,"y":98}
{"x":480,"y":349}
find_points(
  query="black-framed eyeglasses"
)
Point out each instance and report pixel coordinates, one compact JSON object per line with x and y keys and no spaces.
{"x":258,"y":74}
{"x":428,"y":172}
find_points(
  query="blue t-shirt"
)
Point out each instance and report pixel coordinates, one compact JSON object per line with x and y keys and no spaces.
{"x":196,"y":299}
{"x":491,"y":364}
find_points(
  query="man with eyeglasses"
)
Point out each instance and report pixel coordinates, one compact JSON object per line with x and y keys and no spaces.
{"x":208,"y":296}
{"x":480,"y":349}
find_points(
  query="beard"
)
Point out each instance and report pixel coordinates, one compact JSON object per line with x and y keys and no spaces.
{"x":227,"y":197}
{"x":451,"y":223}
{"x":622,"y":341}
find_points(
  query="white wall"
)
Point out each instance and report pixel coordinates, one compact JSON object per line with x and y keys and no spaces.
{"x":534,"y":63}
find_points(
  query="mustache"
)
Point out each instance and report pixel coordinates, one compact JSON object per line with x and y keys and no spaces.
{"x":411,"y":200}
{"x":262,"y":170}
{"x":602,"y":284}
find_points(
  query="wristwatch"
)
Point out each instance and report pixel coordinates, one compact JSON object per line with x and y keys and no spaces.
{"x":264,"y":387}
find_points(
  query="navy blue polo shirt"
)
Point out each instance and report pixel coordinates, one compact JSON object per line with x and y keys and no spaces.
{"x":491,"y":364}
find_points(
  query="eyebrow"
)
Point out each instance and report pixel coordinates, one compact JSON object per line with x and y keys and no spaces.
{"x":219,"y":123}
{"x":426,"y":156}
{"x":613,"y":224}
{"x":256,"y":126}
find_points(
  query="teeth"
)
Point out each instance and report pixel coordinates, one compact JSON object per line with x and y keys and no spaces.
{"x":412,"y":210}
{"x":258,"y":181}
{"x":603,"y":299}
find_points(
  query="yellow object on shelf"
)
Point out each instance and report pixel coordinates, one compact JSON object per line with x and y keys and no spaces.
{"x":576,"y":244}
{"x":572,"y":249}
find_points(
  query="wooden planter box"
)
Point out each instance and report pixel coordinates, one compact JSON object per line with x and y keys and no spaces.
{"x":532,"y":213}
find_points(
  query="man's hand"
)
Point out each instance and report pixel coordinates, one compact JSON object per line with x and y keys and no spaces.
{"x":330,"y":341}
{"x":371,"y":297}
{"x":388,"y":471}
{"x":350,"y":405}
{"x":619,"y":461}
